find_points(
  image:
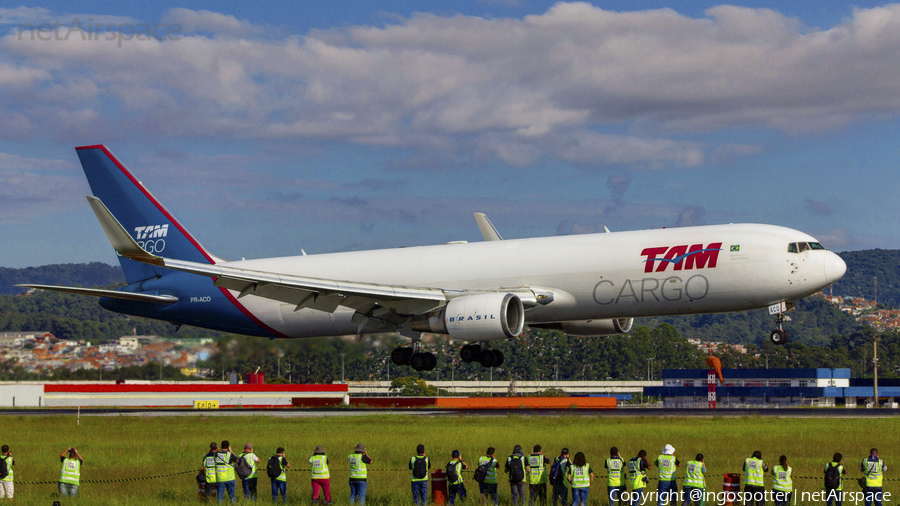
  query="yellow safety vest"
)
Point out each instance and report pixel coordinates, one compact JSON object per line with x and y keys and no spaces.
{"x":753,"y":472}
{"x":71,"y":472}
{"x":840,"y":468}
{"x":581,"y":476}
{"x":635,"y":474}
{"x":458,"y":466}
{"x":491,"y":476}
{"x":412,"y":465}
{"x":9,"y":467}
{"x":224,"y":469}
{"x":538,"y":473}
{"x":614,"y":472}
{"x":357,"y":466}
{"x":251,"y":461}
{"x":693,"y":475}
{"x":874,"y":472}
{"x":209,"y":467}
{"x":319,"y":464}
{"x":667,"y":466}
{"x":782,"y":481}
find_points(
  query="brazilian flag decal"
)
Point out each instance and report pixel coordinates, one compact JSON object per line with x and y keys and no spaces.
{"x":735,"y":247}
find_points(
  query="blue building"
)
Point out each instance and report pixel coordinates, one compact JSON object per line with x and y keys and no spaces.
{"x":816,"y":387}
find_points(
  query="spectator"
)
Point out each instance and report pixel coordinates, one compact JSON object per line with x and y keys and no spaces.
{"x":6,"y":484}
{"x":518,"y":471}
{"x":321,"y":478}
{"x":834,"y":482}
{"x":560,"y":489}
{"x":279,"y":483}
{"x":488,"y":487}
{"x":694,"y":483}
{"x":537,"y":476}
{"x":615,"y":476}
{"x":359,"y":473}
{"x":419,"y":465}
{"x":456,"y":487}
{"x":637,"y":474}
{"x":782,"y":484}
{"x":209,"y":470}
{"x":874,"y":469}
{"x":754,"y":486}
{"x":225,"y":477}
{"x":70,"y":476}
{"x":249,"y":483}
{"x":667,"y":465}
{"x":581,"y":477}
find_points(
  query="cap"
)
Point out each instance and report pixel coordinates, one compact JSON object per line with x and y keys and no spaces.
{"x":668,"y":450}
{"x":360,"y":448}
{"x":455,"y":454}
{"x":320,"y":449}
{"x":565,"y":451}
{"x":517,"y":450}
{"x":213,"y":446}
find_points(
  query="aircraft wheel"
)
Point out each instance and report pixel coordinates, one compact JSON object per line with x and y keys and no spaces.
{"x":487,"y":358}
{"x":498,"y":358}
{"x":432,"y":361}
{"x":419,"y":361}
{"x":468,"y":353}
{"x":401,"y":356}
{"x":779,"y":337}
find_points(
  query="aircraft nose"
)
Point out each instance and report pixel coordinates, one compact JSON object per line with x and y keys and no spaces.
{"x":834,"y":267}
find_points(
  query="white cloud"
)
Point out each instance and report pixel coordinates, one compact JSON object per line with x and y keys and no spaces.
{"x":518,"y":90}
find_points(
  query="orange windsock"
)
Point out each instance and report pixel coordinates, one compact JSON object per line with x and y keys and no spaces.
{"x":714,"y":363}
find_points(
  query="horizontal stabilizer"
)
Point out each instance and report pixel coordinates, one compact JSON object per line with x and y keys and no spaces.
{"x":113,"y":294}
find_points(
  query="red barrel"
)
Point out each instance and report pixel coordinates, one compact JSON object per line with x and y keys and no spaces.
{"x":439,"y":487}
{"x":731,"y":485}
{"x":256,"y":378}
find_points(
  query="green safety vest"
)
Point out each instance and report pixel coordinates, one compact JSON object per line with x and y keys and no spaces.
{"x":614,"y":472}
{"x":667,"y":469}
{"x":251,"y":461}
{"x":840,"y":468}
{"x":412,"y":464}
{"x":782,"y":479}
{"x":9,"y":466}
{"x":224,"y":469}
{"x":693,"y":475}
{"x":209,"y":467}
{"x":581,"y":477}
{"x":357,"y":466}
{"x":538,"y":473}
{"x":635,"y":474}
{"x":458,"y":466}
{"x":874,"y":472}
{"x":319,"y":465}
{"x":283,"y":475}
{"x":491,"y":476}
{"x":753,"y":472}
{"x":71,"y":472}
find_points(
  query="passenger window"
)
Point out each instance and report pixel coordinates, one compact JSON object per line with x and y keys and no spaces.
{"x":803,"y":246}
{"x":792,"y":247}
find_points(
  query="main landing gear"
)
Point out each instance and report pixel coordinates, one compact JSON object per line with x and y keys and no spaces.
{"x":478,"y":353}
{"x":414,"y":357}
{"x":779,"y":336}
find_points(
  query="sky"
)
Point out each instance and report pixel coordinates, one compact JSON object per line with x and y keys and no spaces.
{"x":334,"y":126}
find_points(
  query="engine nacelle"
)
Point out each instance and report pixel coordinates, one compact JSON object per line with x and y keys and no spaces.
{"x":482,"y":317}
{"x":597,"y":328}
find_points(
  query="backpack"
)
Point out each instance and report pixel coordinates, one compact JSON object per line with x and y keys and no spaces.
{"x":420,"y":468}
{"x":242,"y":468}
{"x":273,"y":467}
{"x":4,"y":469}
{"x":516,"y":470}
{"x":832,"y":478}
{"x":556,"y":473}
{"x":482,"y":471}
{"x":452,"y":475}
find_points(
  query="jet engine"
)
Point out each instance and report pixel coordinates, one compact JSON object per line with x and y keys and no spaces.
{"x":482,"y":317}
{"x":591,"y":328}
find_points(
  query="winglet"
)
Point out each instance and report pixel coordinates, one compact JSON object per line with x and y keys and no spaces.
{"x":487,"y":228}
{"x":119,"y":238}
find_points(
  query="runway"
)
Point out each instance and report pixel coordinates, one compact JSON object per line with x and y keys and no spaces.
{"x":350,"y":412}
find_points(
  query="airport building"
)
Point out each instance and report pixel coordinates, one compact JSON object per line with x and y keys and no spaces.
{"x":778,"y":387}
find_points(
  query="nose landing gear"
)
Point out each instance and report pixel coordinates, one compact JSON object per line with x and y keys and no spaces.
{"x":779,"y":336}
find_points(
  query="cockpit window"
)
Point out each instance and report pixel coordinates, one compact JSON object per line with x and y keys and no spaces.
{"x":800,"y":247}
{"x":792,"y":247}
{"x":815,"y":245}
{"x":803,"y":246}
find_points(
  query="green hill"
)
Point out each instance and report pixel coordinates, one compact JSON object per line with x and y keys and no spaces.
{"x":92,"y":274}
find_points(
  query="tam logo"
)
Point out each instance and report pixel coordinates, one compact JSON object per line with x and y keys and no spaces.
{"x":151,"y":231}
{"x":682,"y":257}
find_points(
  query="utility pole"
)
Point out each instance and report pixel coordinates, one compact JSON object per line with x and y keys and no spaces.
{"x":875,"y":363}
{"x":342,"y":368}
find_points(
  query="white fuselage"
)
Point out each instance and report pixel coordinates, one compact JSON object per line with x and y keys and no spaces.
{"x":596,"y":276}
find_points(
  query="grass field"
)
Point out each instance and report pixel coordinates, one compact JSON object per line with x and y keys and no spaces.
{"x":131,"y":447}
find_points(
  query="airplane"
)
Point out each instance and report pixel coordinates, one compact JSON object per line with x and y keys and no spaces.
{"x":584,"y":285}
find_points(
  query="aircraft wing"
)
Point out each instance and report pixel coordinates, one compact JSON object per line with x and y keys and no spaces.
{"x":315,"y":293}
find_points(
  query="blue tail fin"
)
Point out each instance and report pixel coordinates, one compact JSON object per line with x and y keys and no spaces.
{"x":151,"y":225}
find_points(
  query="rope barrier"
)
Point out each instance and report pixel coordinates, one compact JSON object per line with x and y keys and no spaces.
{"x":117,"y":480}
